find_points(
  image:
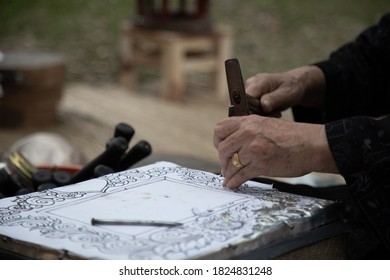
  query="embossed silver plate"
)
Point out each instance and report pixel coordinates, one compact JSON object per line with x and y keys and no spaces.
{"x":217,"y":223}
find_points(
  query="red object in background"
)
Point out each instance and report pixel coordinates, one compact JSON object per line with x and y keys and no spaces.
{"x":71,"y":169}
{"x":176,"y":15}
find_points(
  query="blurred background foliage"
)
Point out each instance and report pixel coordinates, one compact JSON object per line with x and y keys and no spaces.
{"x":269,"y":35}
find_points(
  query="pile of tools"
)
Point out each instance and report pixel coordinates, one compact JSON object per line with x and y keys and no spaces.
{"x":18,"y":176}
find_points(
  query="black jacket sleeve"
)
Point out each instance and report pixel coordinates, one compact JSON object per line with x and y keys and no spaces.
{"x":359,"y":144}
{"x":358,"y":100}
{"x":358,"y":75}
{"x":357,"y":123}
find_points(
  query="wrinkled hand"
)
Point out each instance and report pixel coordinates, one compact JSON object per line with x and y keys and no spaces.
{"x":270,"y":147}
{"x":280,"y":91}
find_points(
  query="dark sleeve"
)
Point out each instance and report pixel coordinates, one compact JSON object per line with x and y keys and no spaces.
{"x":358,"y":75}
{"x":359,"y":144}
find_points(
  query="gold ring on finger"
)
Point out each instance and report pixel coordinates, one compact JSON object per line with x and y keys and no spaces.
{"x":236,"y":161}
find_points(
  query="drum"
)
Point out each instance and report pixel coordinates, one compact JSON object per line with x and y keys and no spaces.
{"x":31,"y":88}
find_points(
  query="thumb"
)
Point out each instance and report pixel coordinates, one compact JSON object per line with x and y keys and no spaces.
{"x":278,"y":100}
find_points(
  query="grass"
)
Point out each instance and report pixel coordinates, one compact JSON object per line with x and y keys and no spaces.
{"x":269,"y":35}
{"x":277,"y":35}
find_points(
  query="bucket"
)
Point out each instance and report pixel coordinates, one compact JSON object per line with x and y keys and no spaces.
{"x":32,"y":86}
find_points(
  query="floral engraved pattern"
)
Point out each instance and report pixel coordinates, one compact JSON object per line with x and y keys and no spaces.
{"x":34,"y":201}
{"x":193,"y":176}
{"x":255,"y":212}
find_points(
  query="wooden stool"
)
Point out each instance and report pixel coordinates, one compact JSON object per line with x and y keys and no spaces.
{"x":175,"y":54}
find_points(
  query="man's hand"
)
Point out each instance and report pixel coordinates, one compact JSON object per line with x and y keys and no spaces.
{"x":270,"y":147}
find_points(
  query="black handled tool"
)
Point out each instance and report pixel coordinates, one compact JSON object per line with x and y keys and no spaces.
{"x":109,"y":157}
{"x":122,"y":130}
{"x":241,"y":104}
{"x":102,"y":170}
{"x":140,"y":151}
